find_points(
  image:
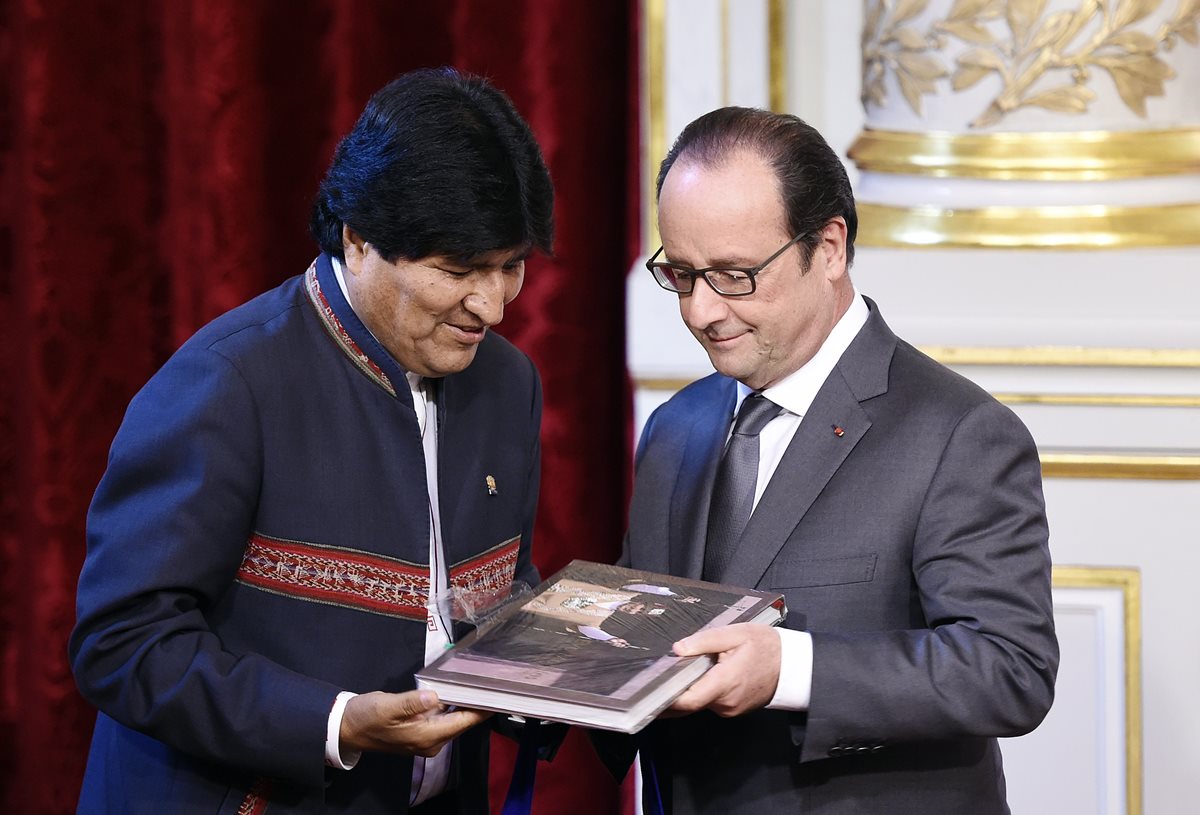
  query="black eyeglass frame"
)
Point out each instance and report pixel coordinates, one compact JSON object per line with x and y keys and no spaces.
{"x":692,"y":274}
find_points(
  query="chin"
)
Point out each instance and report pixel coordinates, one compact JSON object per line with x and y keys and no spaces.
{"x":454,"y":365}
{"x":726,"y":367}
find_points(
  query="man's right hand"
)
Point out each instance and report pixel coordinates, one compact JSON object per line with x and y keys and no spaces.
{"x":412,"y":723}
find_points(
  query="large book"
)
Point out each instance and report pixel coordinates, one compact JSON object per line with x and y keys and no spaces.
{"x":591,"y":646}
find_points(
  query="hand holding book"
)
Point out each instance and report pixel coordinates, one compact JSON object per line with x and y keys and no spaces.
{"x":746,"y":673}
{"x":594,"y":645}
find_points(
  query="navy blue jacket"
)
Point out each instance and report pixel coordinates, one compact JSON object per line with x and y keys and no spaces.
{"x":260,"y":542}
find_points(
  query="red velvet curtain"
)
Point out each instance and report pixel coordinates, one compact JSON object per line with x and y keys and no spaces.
{"x":157,"y":161}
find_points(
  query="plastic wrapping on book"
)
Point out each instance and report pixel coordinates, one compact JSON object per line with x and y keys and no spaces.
{"x":593,"y":636}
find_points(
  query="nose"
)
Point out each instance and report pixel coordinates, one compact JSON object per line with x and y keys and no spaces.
{"x":486,"y":300}
{"x":703,"y":307}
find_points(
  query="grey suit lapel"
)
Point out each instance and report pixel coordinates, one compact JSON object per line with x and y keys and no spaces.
{"x":817,"y":450}
{"x":693,"y":489}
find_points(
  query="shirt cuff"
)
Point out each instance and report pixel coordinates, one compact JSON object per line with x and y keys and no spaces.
{"x":795,"y":671}
{"x":333,"y":735}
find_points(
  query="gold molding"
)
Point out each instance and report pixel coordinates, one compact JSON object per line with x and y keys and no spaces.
{"x":1129,"y":581}
{"x":662,"y":383}
{"x":1064,"y":399}
{"x":1134,"y":466}
{"x":1033,"y":356}
{"x":1140,"y":466}
{"x":777,"y":50}
{"x":1140,"y":400}
{"x":1060,"y":355}
{"x":1065,"y":227}
{"x":725,"y":49}
{"x":656,"y":120}
{"x":1091,"y":155}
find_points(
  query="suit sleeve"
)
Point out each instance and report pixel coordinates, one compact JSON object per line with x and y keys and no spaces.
{"x":985,"y":665}
{"x":166,"y":532}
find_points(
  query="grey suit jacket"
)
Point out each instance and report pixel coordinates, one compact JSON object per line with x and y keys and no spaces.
{"x":912,"y":545}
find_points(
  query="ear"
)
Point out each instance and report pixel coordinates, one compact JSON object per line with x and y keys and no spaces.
{"x":354,"y":248}
{"x":833,"y":247}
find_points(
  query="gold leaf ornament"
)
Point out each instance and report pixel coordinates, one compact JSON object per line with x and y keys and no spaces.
{"x":982,"y":58}
{"x":907,"y":9}
{"x":1021,"y":15}
{"x":1039,"y":48}
{"x":1136,"y":77}
{"x":966,"y":76}
{"x":911,"y":39}
{"x":1128,"y":12}
{"x":1182,"y":26}
{"x":1135,"y":42}
{"x":967,"y":31}
{"x":1067,"y":99}
{"x":1051,"y":30}
{"x":921,"y":66}
{"x":891,"y":44}
{"x":966,"y":9}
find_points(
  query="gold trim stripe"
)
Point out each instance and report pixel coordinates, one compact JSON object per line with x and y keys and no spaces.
{"x":1137,"y":466}
{"x":1182,"y":466}
{"x":1129,"y":581}
{"x":1060,"y":355}
{"x":1066,"y":227}
{"x":656,"y":124}
{"x":1140,"y":400}
{"x":723,"y":26}
{"x":1101,"y":399}
{"x":1080,"y":156}
{"x":777,"y":55}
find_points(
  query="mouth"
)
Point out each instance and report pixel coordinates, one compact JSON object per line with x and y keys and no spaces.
{"x":466,"y":333}
{"x":720,"y":340}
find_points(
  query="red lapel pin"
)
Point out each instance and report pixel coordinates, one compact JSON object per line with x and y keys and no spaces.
{"x":838,"y":431}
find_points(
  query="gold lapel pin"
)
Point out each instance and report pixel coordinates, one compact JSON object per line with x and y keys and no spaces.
{"x":491,"y":485}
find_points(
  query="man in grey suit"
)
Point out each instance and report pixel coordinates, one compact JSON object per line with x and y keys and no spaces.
{"x":896,"y":505}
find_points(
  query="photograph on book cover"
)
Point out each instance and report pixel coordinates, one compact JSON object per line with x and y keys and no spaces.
{"x":596,"y":630}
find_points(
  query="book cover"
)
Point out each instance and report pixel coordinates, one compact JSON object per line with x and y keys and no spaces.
{"x":591,"y":645}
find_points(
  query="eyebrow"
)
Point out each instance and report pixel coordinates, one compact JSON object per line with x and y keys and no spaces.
{"x":718,"y":263}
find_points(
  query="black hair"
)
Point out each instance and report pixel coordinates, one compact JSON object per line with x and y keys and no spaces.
{"x":812,"y":179}
{"x":438,"y":163}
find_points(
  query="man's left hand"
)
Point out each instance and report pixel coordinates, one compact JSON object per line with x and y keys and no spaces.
{"x":746,"y":673}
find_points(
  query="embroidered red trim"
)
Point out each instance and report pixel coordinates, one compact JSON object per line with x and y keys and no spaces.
{"x":339,"y":334}
{"x":341,"y":577}
{"x":489,"y":572}
{"x":255,"y":802}
{"x":365,"y":581}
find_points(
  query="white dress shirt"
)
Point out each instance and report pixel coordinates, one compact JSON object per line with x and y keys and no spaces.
{"x":795,"y":394}
{"x":429,"y":774}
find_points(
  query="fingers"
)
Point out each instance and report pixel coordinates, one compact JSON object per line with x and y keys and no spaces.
{"x":430,"y":734}
{"x":704,"y":691}
{"x":746,"y":674}
{"x":713,"y":641}
{"x":412,"y":722}
{"x":411,"y":704}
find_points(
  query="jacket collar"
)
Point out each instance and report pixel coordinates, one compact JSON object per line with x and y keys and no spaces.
{"x":814,"y":455}
{"x":349,"y":334}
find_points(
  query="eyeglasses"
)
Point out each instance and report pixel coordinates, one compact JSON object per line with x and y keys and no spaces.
{"x":730,"y":281}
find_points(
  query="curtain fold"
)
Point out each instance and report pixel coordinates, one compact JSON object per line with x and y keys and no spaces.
{"x":157,"y":162}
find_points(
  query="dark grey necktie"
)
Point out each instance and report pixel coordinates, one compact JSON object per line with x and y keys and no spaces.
{"x":733,"y":491}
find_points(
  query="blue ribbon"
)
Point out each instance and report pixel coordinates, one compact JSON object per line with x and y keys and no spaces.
{"x":519,"y":800}
{"x":652,"y":803}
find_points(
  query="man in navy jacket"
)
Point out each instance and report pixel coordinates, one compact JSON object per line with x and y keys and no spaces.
{"x":298,"y":501}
